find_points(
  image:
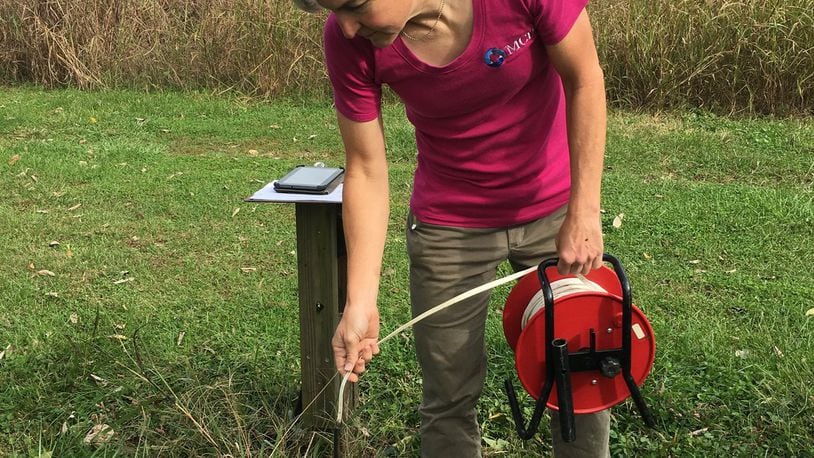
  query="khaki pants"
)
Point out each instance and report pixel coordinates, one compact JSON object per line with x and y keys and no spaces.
{"x":444,"y":262}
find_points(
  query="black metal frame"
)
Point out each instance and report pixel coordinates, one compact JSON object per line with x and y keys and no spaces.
{"x":560,"y":363}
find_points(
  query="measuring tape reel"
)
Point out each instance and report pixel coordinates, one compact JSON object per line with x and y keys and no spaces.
{"x":580,"y":345}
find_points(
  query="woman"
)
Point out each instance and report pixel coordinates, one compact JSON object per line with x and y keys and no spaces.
{"x":508,"y":102}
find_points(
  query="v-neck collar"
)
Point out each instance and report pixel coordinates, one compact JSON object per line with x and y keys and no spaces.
{"x":475,"y":40}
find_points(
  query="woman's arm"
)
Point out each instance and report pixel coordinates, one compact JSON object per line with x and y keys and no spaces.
{"x":579,"y":242}
{"x":365,"y":213}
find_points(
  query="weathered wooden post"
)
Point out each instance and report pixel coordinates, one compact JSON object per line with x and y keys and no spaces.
{"x":321,"y":265}
{"x":321,"y":283}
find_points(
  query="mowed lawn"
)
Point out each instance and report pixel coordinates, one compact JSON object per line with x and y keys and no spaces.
{"x":146,"y":310}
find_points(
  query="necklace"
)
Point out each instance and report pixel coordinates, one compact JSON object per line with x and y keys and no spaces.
{"x":432,"y":29}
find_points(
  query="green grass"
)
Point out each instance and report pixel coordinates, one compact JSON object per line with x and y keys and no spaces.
{"x":716,"y":238}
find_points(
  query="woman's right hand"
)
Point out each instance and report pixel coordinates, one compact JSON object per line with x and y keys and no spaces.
{"x":365,"y":216}
{"x":356,"y":340}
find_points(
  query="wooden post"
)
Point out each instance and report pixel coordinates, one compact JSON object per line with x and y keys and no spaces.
{"x":321,"y":283}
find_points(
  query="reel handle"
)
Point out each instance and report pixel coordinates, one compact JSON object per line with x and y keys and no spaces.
{"x":565,"y":400}
{"x":548,"y":295}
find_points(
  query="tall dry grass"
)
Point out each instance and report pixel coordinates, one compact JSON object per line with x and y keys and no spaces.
{"x":259,"y":47}
{"x":752,"y":56}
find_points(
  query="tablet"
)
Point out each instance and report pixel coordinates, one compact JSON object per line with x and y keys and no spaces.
{"x":309,"y":180}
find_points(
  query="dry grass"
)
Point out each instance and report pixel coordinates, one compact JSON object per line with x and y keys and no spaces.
{"x":754,"y":56}
{"x":750,"y":56}
{"x":258,"y":47}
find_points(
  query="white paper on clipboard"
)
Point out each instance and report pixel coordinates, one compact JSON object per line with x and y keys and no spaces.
{"x":268,"y":194}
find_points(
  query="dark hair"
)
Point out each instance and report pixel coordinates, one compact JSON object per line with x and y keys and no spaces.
{"x":310,"y":6}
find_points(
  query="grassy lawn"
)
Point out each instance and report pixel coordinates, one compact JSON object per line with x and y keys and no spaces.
{"x":138,"y":290}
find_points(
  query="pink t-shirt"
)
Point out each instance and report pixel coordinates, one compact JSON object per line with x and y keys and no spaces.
{"x":490,"y":125}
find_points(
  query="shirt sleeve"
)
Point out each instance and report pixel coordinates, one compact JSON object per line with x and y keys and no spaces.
{"x":351,"y":69}
{"x":553,"y":19}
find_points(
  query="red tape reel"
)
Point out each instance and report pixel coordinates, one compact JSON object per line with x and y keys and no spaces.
{"x":574,"y":316}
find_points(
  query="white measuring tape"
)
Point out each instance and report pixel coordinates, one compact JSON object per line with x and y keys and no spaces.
{"x":560,"y":288}
{"x":465,"y":295}
{"x":432,"y":311}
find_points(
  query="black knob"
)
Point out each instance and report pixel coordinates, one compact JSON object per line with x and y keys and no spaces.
{"x":610,"y":367}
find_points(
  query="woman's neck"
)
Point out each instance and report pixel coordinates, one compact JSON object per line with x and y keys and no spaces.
{"x":447,"y":38}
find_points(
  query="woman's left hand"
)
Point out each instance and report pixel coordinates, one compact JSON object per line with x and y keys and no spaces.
{"x":579,"y":243}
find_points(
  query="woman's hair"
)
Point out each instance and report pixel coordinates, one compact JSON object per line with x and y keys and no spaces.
{"x":310,"y":6}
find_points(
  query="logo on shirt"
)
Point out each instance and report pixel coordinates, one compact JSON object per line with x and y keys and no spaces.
{"x":520,"y":42}
{"x":494,"y":57}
